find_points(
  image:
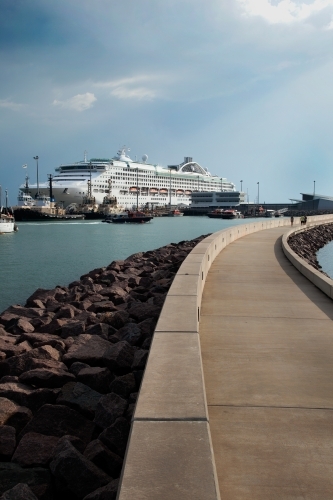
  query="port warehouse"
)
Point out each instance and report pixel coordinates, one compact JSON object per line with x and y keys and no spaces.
{"x":204,"y":202}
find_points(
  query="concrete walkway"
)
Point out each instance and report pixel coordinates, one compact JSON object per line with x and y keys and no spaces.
{"x":267,"y":346}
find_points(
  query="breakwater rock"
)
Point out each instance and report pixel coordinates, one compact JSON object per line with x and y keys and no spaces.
{"x":71,"y":364}
{"x":307,"y":243}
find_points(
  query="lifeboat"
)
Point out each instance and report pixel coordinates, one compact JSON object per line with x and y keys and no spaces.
{"x":133,"y":189}
{"x":188,"y":191}
{"x":153,"y":190}
{"x":163,"y":191}
{"x":180,"y":192}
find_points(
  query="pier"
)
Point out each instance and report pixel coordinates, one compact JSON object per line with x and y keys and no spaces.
{"x":236,"y":401}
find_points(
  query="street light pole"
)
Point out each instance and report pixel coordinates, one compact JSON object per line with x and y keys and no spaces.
{"x":0,"y":197}
{"x":314,"y":193}
{"x":37,"y":158}
{"x":258,"y":197}
{"x":137,"y":188}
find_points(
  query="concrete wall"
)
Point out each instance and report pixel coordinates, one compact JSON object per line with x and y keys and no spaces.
{"x":169,"y":454}
{"x":316,"y":277}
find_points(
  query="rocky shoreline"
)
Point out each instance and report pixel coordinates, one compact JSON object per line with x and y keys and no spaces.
{"x":307,"y":243}
{"x":71,"y":364}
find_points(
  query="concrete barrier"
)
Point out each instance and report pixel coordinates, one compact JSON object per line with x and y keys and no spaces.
{"x":169,"y":454}
{"x":321,"y":281}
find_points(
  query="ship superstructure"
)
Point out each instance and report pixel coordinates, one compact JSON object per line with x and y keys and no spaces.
{"x":131,"y":182}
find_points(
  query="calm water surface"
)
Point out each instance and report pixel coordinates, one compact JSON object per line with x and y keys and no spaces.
{"x":46,"y":254}
{"x":325,"y":258}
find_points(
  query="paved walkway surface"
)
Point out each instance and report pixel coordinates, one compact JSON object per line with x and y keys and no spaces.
{"x":267,"y":345}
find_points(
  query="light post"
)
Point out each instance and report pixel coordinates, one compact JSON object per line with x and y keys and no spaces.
{"x":314,"y":193}
{"x":170,"y":190}
{"x":258,"y":198}
{"x":37,"y":158}
{"x":137,"y":188}
{"x":0,"y":197}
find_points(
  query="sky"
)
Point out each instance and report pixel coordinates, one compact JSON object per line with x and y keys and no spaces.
{"x":242,"y":86}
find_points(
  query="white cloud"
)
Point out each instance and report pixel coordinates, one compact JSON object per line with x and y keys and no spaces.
{"x":79,"y":102}
{"x":285,"y":11}
{"x":6,"y":103}
{"x":140,"y":87}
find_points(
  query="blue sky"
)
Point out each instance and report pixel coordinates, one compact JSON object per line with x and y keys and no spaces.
{"x":242,"y":86}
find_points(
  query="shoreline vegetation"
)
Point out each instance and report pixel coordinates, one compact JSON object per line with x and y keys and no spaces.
{"x":71,"y":364}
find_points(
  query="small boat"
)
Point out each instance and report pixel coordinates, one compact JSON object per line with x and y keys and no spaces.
{"x":175,"y":213}
{"x":7,"y":223}
{"x":230,"y":214}
{"x":216,"y":214}
{"x":134,"y":217}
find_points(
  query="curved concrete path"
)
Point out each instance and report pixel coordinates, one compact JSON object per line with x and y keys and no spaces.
{"x":266,"y":337}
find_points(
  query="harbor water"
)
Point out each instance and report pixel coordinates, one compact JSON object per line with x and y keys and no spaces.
{"x":47,"y":254}
{"x":325,"y":258}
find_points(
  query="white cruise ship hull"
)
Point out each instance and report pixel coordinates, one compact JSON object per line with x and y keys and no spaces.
{"x":132,"y":183}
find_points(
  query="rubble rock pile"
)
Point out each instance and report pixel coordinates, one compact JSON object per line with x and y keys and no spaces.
{"x":307,"y":243}
{"x":71,"y":364}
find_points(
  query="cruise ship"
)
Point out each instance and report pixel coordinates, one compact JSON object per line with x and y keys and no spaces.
{"x":132,"y":183}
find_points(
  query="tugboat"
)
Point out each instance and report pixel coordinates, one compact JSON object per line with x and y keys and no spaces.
{"x":134,"y":217}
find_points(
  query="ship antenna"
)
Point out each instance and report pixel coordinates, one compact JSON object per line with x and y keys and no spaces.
{"x":85,"y":155}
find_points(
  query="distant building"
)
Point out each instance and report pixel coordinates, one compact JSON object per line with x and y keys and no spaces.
{"x":216,"y":199}
{"x":313,"y":202}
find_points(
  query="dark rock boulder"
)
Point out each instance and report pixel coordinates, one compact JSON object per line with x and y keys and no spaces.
{"x":101,"y":329}
{"x":17,"y":326}
{"x":108,"y":492}
{"x":143,"y":311}
{"x":35,"y":450}
{"x":140,"y":359}
{"x":115,"y":437}
{"x":75,"y":473}
{"x":79,"y":397}
{"x":119,"y":357}
{"x":24,"y":395}
{"x":37,"y":478}
{"x":103,"y":458}
{"x":96,"y":378}
{"x":109,"y":408}
{"x":14,"y":415}
{"x":88,"y":349}
{"x":9,"y":347}
{"x":20,"y":492}
{"x":7,"y":442}
{"x":124,"y":385}
{"x":72,"y":328}
{"x":46,"y":377}
{"x":59,"y":420}
{"x":131,"y":333}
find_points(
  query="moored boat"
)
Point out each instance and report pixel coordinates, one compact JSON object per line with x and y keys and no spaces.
{"x":133,"y":217}
{"x":231,"y":214}
{"x":216,"y":214}
{"x":7,"y":223}
{"x":175,"y":213}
